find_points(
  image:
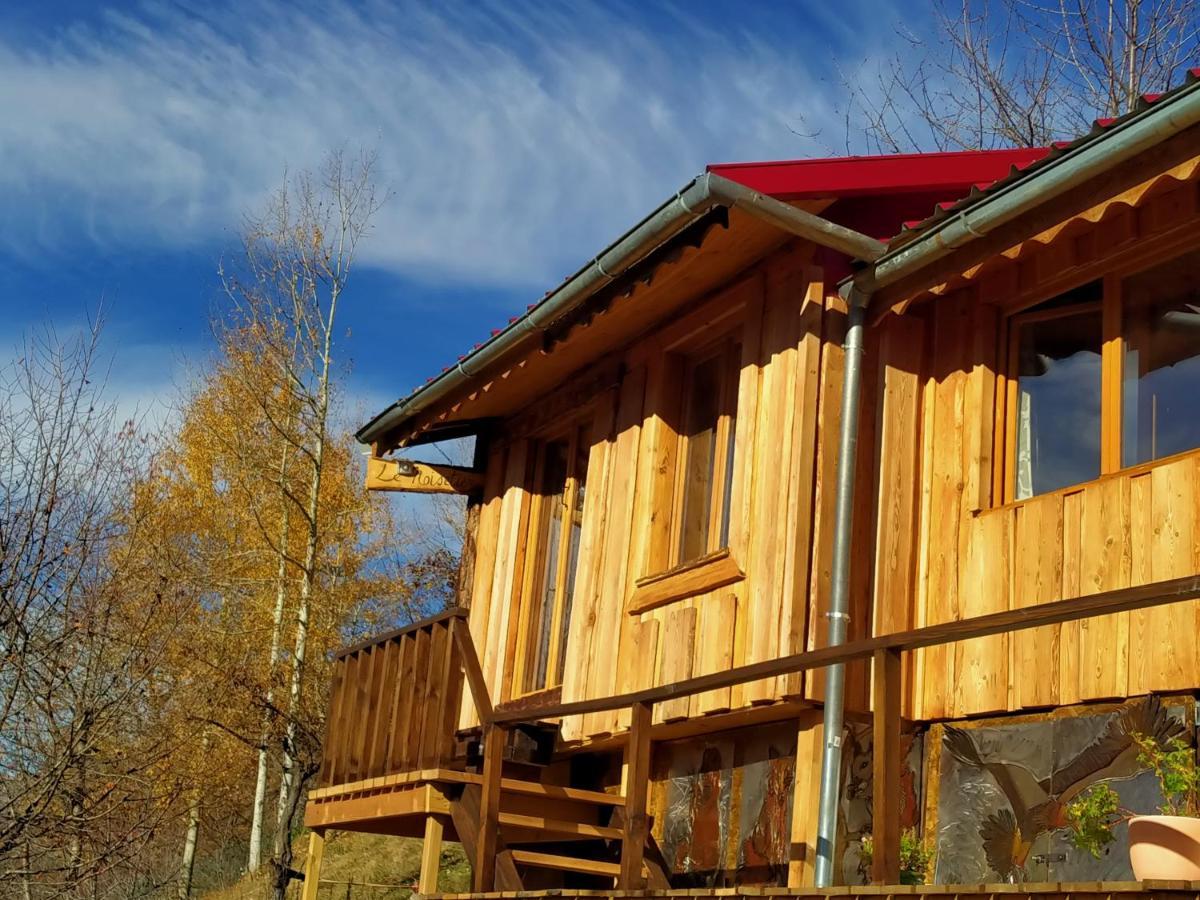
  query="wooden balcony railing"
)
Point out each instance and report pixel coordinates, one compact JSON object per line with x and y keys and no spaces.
{"x":394,"y":701}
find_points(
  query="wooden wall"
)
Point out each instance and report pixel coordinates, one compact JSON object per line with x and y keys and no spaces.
{"x":931,"y":542}
{"x":975,"y":557}
{"x":946,"y":541}
{"x":782,"y":500}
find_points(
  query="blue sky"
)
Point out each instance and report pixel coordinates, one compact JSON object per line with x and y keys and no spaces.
{"x":516,"y":140}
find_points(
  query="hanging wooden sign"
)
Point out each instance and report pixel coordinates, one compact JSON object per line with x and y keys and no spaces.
{"x":421,"y":478}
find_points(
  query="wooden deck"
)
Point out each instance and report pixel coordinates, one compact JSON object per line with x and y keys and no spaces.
{"x":1113,"y":890}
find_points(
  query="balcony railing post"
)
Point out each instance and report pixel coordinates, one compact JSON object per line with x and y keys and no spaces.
{"x":637,"y":784}
{"x":489,"y":808}
{"x":885,"y":826}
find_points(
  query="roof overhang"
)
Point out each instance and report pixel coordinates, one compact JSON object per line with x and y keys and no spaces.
{"x":676,"y":254}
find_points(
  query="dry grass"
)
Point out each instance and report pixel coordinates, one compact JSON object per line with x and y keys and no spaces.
{"x":362,"y":867}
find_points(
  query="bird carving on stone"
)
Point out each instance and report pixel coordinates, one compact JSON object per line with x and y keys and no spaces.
{"x":1038,"y":805}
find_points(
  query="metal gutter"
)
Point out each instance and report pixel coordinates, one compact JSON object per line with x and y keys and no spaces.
{"x":694,"y":200}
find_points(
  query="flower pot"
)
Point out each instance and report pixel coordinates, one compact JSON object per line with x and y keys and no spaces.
{"x":1165,"y":848}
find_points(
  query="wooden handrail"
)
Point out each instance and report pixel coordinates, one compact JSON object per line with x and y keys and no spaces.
{"x":461,"y":635}
{"x":1156,"y":594}
{"x":454,"y":612}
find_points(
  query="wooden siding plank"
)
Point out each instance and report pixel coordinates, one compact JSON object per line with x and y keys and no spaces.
{"x":615,"y":579}
{"x":1038,"y":578}
{"x":825,"y":480}
{"x":678,"y":639}
{"x":505,"y":587}
{"x":897,"y":525}
{"x":981,"y":665}
{"x":717,"y":620}
{"x":581,"y":634}
{"x":1104,"y":565}
{"x":1068,"y":633}
{"x":773,"y":446}
{"x":1166,"y":658}
{"x":952,"y":335}
{"x":795,"y":591}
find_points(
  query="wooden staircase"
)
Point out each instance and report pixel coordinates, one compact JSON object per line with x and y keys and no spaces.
{"x":544,"y":828}
{"x":392,"y":765}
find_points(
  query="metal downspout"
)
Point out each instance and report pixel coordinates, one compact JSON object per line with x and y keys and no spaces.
{"x":839,"y":600}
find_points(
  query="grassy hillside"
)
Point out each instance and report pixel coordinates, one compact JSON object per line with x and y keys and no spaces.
{"x":363,"y":867}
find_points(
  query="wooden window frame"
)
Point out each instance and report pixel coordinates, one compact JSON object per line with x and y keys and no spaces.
{"x":727,"y":348}
{"x":536,"y":549}
{"x":1112,"y":364}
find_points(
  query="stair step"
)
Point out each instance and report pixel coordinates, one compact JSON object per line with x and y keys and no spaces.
{"x":558,"y":826}
{"x":566,"y":863}
{"x":533,"y":788}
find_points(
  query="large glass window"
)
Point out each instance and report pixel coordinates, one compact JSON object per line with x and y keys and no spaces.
{"x":1104,"y":376}
{"x":706,"y":453}
{"x":560,"y":484}
{"x":1058,"y":347}
{"x":1161,"y":378}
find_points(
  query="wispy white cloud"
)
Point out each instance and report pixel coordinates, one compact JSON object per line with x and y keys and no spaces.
{"x":514,"y":139}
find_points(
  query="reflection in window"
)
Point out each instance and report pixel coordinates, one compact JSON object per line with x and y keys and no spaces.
{"x":1161,"y":390}
{"x":1058,"y":393}
{"x":560,"y":487}
{"x":706,"y":466}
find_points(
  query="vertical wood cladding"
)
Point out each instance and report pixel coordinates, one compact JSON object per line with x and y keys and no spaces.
{"x":933,"y":539}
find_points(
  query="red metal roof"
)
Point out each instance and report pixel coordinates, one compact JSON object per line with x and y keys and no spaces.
{"x":950,"y":174}
{"x":1100,"y":127}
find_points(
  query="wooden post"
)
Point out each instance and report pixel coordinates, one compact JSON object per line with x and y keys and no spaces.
{"x":489,"y":808}
{"x":312,"y":864}
{"x":885,"y":827}
{"x":635,"y":826}
{"x":431,"y":856}
{"x":810,"y":739}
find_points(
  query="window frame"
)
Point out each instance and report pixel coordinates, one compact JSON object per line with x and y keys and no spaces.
{"x":532,"y":579}
{"x":728,"y":349}
{"x":1112,"y":365}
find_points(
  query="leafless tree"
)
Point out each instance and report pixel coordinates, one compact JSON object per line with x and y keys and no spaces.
{"x":996,"y":73}
{"x":81,"y":630}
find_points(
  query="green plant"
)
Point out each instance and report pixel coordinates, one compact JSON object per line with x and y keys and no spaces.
{"x":1178,"y":776}
{"x":916,"y":858}
{"x":1095,"y":812}
{"x":1092,"y":816}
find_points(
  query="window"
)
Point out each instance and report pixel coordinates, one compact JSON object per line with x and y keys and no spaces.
{"x":705,"y":459}
{"x":560,"y":473}
{"x":1161,"y":377}
{"x":1057,"y":348}
{"x":1102,"y":377}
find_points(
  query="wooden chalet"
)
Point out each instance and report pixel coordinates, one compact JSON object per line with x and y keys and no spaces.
{"x":631,"y":691}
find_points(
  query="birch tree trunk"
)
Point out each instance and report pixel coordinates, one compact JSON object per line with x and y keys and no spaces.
{"x":260,"y":784}
{"x":189,"y":847}
{"x":308,"y":572}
